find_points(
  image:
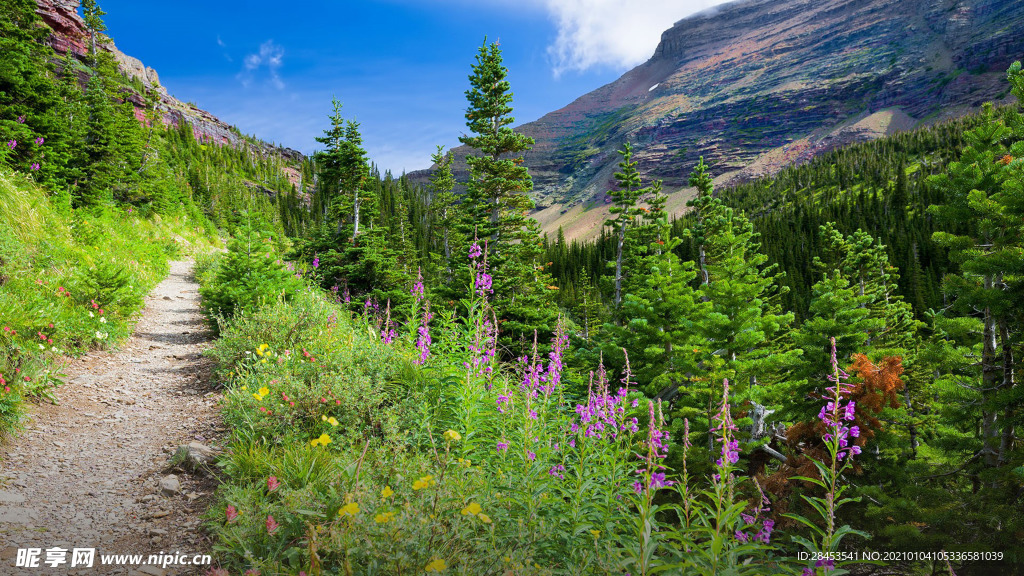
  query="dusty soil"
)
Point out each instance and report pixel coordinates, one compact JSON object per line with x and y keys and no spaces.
{"x":86,"y":473}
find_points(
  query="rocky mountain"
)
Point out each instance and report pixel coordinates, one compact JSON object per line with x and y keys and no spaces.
{"x":70,"y":34}
{"x":755,"y":85}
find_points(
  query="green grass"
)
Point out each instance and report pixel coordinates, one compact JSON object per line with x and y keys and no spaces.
{"x":71,"y":282}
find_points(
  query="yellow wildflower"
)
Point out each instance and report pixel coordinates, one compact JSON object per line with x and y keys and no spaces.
{"x":596,"y":533}
{"x":484,"y":518}
{"x":350,"y":509}
{"x":386,"y":492}
{"x":264,"y":391}
{"x":323,"y":440}
{"x":257,"y":396}
{"x":332,"y":421}
{"x":453,"y":436}
{"x":383,"y":518}
{"x":473,"y":509}
{"x":424,"y":482}
{"x":436,"y":565}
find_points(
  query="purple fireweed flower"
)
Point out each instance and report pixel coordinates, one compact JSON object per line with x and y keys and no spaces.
{"x":316,"y":262}
{"x":765,"y":535}
{"x":35,"y":166}
{"x":387,"y":334}
{"x":423,"y":340}
{"x":835,"y":416}
{"x":502,"y":400}
{"x":501,"y":446}
{"x":531,"y":455}
{"x":40,"y":140}
{"x":658,"y":480}
{"x":725,"y":429}
{"x":742,"y":536}
{"x":417,"y":288}
{"x":557,"y":471}
{"x":12,"y":144}
{"x":21,"y":119}
{"x":475,"y":251}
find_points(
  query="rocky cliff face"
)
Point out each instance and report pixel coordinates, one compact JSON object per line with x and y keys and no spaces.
{"x":69,"y":34}
{"x":755,"y":85}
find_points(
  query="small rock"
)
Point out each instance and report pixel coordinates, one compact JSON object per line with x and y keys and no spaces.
{"x":170,"y":485}
{"x":167,"y":297}
{"x":194,"y":456}
{"x":160,"y":514}
{"x":157,"y":532}
{"x":147,"y":498}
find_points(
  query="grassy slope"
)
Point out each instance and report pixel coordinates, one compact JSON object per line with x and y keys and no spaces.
{"x":71,"y":281}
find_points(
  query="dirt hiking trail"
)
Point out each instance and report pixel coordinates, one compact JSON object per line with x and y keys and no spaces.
{"x":93,"y":470}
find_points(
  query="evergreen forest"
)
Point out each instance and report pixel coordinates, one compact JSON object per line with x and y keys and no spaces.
{"x":813,"y":372}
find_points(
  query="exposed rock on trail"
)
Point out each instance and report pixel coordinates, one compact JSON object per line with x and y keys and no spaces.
{"x":87,"y":473}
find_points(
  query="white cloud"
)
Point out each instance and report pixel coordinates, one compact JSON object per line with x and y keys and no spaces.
{"x":270,"y":56}
{"x":615,"y":33}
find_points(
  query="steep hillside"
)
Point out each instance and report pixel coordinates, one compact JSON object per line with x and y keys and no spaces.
{"x":69,"y":33}
{"x":757,"y":85}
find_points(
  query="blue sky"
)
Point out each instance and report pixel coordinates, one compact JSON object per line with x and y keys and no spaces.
{"x":399,"y":67}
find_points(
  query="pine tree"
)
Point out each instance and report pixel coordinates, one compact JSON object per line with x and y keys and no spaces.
{"x":92,"y":15}
{"x":495,"y":205}
{"x":624,"y":206}
{"x":972,"y":192}
{"x":443,"y":209}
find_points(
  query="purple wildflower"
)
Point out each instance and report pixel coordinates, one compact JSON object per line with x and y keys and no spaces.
{"x":417,"y":288}
{"x":765,"y":535}
{"x":35,"y":166}
{"x":12,"y":144}
{"x":21,"y":119}
{"x":423,"y":340}
{"x":502,"y":446}
{"x":316,"y":262}
{"x":40,"y":140}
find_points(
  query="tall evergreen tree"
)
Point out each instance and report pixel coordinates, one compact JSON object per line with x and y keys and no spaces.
{"x":495,"y":205}
{"x":625,"y":209}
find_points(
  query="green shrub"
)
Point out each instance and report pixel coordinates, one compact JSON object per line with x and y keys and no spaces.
{"x":107,"y":284}
{"x":251,"y":273}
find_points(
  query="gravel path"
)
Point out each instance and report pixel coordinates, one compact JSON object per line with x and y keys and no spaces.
{"x":87,"y":473}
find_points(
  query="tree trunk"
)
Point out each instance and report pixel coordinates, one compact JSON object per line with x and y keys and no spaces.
{"x":355,"y":231}
{"x":990,"y":376}
{"x":618,"y":263}
{"x":1008,"y":383}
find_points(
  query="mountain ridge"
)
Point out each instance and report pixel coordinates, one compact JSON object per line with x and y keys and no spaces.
{"x":756,"y":85}
{"x":69,"y":33}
